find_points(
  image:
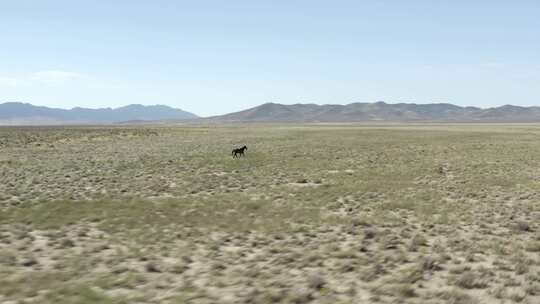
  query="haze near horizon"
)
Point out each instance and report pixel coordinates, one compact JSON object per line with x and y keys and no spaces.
{"x":213,"y":57}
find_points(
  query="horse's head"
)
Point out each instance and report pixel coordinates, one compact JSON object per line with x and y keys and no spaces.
{"x":244,"y":147}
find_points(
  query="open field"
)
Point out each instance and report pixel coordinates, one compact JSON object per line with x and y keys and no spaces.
{"x":313,"y":214}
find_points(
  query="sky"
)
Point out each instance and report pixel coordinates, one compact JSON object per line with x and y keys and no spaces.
{"x":215,"y":57}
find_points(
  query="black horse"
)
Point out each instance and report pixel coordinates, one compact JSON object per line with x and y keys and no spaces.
{"x":239,"y":152}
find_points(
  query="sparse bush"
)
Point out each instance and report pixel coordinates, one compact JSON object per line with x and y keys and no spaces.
{"x":416,"y":242}
{"x":498,"y":292}
{"x":533,"y":289}
{"x":396,"y":290}
{"x":7,"y":258}
{"x":152,"y":267}
{"x":410,"y":275}
{"x":299,"y":296}
{"x":178,"y":268}
{"x":28,"y":262}
{"x":316,"y":281}
{"x":369,"y":233}
{"x":533,"y":246}
{"x":522,"y":226}
{"x":429,"y":263}
{"x":470,"y":280}
{"x":456,"y":297}
{"x":372,"y":273}
{"x":67,"y":243}
{"x":517,"y":296}
{"x":459,"y":269}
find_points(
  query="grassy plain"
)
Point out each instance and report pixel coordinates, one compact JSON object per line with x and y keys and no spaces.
{"x":331,"y":213}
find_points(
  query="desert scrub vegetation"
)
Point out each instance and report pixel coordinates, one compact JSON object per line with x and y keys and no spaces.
{"x":313,"y":214}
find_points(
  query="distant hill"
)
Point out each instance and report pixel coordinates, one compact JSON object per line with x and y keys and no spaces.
{"x":16,"y":113}
{"x":380,"y":111}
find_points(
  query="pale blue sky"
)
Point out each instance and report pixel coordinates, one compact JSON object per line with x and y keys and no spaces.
{"x":213,"y":57}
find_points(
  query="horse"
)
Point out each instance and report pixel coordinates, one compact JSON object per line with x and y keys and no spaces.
{"x":238,"y":152}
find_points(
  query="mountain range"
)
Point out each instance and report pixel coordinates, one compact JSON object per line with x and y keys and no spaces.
{"x":380,"y":111}
{"x":14,"y":113}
